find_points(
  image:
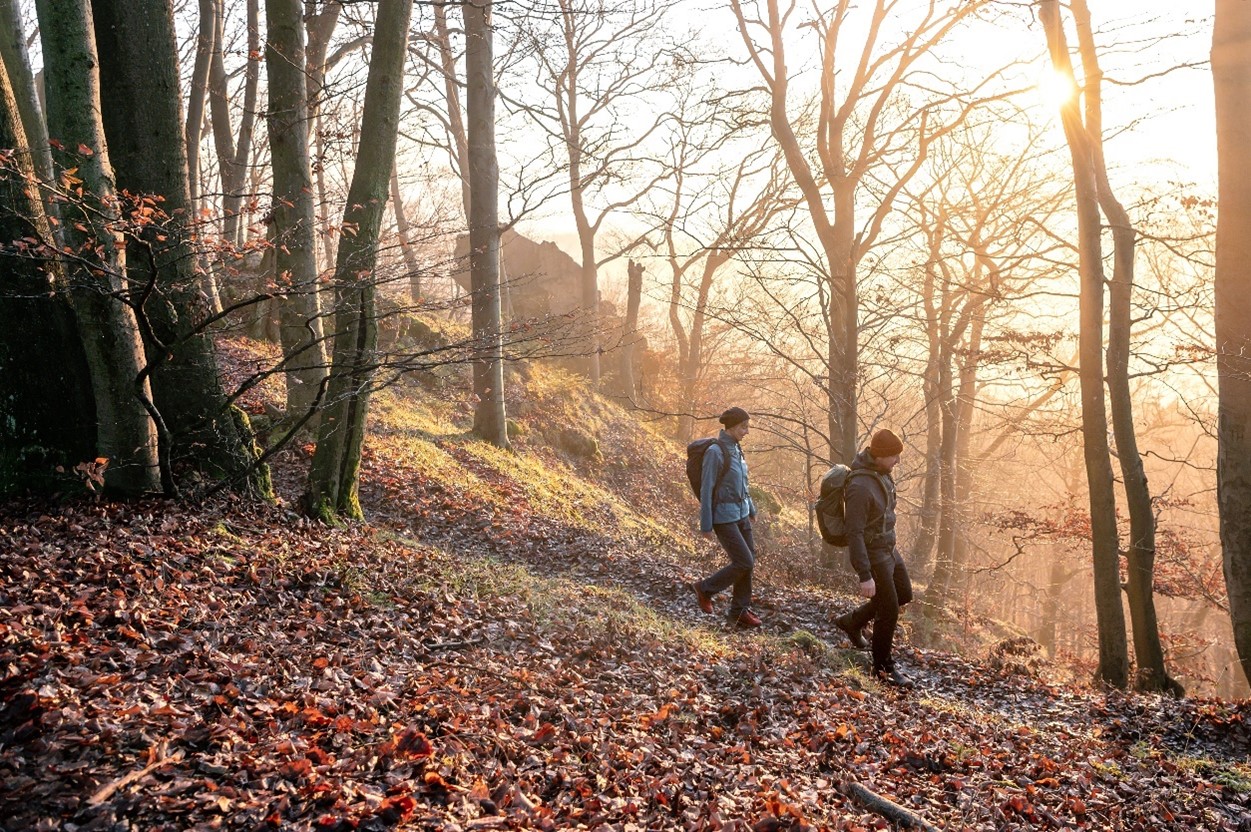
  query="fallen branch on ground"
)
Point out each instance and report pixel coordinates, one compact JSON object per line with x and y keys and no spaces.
{"x":885,"y":807}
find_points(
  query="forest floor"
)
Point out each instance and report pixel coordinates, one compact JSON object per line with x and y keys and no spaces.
{"x":507,"y":644}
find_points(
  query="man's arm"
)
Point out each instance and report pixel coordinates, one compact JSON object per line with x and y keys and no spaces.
{"x":856,"y":515}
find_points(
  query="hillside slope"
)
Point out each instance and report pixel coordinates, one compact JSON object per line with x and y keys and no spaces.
{"x":507,"y":646}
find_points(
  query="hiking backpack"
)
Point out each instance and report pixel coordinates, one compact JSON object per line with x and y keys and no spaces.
{"x":831,"y":506}
{"x":695,"y":464}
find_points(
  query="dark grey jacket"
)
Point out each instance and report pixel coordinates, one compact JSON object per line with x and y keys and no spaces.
{"x":870,"y":516}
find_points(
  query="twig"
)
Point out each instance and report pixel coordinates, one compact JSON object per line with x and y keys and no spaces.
{"x":889,"y":809}
{"x":107,"y":791}
{"x":452,"y":645}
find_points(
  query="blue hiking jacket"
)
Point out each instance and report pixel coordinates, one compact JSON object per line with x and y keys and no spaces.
{"x":732,"y":502}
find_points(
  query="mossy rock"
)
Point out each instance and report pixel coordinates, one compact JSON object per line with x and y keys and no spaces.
{"x":578,"y":444}
{"x":515,"y":429}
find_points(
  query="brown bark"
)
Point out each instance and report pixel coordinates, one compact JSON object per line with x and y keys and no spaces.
{"x":46,"y":410}
{"x":149,"y":154}
{"x":490,"y":421}
{"x":1231,"y":72}
{"x":1113,"y":654}
{"x":411,"y":266}
{"x":1148,"y":650}
{"x":125,"y":431}
{"x":334,"y":476}
{"x":294,"y":214}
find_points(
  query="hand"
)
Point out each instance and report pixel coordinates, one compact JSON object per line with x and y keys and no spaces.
{"x":868,"y":588}
{"x":708,"y":535}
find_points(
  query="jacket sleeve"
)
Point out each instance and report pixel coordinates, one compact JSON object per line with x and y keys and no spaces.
{"x":856,"y":507}
{"x":708,"y":482}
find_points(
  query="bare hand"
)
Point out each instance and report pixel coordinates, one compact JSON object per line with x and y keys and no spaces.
{"x":868,"y":588}
{"x":708,"y":535}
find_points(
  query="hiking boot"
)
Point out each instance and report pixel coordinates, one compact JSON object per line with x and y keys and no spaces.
{"x":701,"y":598}
{"x":854,"y":634}
{"x":891,"y":676}
{"x":747,"y":620}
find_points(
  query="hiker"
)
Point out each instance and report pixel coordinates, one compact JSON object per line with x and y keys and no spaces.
{"x":870,"y":522}
{"x":726,"y":511}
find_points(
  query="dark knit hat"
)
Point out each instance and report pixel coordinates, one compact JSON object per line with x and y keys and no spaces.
{"x":734,"y":416}
{"x":885,"y":444}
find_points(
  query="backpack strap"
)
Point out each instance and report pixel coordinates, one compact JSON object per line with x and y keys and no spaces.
{"x":885,"y":494}
{"x":725,"y":468}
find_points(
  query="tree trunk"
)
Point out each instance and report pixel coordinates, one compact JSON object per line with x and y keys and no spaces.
{"x":149,"y":155}
{"x":234,"y":175}
{"x":451,"y":86}
{"x":334,"y":476}
{"x":484,"y":233}
{"x":294,"y":214}
{"x":196,"y":101}
{"x":46,"y":410}
{"x":411,"y":265}
{"x":630,"y":330}
{"x":1113,"y":652}
{"x":126,"y":434}
{"x":692,"y":369}
{"x":1231,"y":71}
{"x":228,"y":162}
{"x":320,"y":26}
{"x":1148,"y":651}
{"x":22,"y":83}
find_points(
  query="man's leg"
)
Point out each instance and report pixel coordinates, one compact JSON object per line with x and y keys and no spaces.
{"x":887,"y":613}
{"x":903,"y":582}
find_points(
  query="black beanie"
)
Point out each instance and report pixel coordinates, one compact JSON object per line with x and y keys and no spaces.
{"x":734,"y":416}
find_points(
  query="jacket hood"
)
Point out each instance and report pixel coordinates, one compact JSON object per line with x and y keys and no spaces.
{"x":863,"y":461}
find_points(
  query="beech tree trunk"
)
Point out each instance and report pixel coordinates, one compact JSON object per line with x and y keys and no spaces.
{"x":320,"y":24}
{"x":46,"y":410}
{"x":451,"y":86}
{"x":1231,"y":72}
{"x":125,"y":431}
{"x":149,"y":155}
{"x":234,"y":172}
{"x":197,"y":98}
{"x":411,"y":265}
{"x":294,"y":213}
{"x":334,"y":476}
{"x":22,"y":84}
{"x":1113,"y":649}
{"x":629,"y":330}
{"x":490,"y":421}
{"x":1148,"y":651}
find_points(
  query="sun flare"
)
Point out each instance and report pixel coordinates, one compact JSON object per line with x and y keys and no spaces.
{"x":1055,"y":89}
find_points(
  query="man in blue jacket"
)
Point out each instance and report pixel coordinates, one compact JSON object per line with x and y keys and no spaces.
{"x":870,"y":522}
{"x":726,"y":511}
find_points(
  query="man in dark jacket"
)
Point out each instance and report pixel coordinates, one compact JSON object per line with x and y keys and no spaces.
{"x":870,"y":523}
{"x":726,"y":511}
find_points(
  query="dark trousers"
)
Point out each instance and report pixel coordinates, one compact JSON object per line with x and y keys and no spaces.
{"x":737,"y":541}
{"x":894,"y":589}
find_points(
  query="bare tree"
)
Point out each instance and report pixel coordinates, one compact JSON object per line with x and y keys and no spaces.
{"x":484,"y":231}
{"x":126,"y":434}
{"x":294,"y":213}
{"x":1231,"y":71}
{"x":22,"y":82}
{"x":151,"y":168}
{"x":600,"y":60}
{"x":862,"y":129}
{"x":1113,"y":653}
{"x":334,"y":476}
{"x":46,"y":413}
